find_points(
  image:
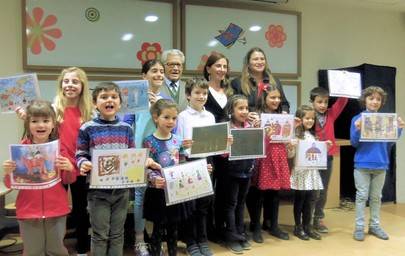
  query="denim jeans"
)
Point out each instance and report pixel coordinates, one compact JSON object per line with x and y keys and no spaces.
{"x":138,"y":210}
{"x":369,"y":185}
{"x":108,"y":211}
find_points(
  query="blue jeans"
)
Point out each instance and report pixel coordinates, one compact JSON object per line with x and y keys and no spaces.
{"x":138,"y":210}
{"x":108,"y":211}
{"x":369,"y":185}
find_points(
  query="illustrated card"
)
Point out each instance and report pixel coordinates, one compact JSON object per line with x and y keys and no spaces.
{"x":134,"y":95}
{"x":379,"y":127}
{"x":278,"y":127}
{"x":311,"y":154}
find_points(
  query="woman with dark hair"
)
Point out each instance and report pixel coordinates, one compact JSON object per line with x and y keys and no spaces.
{"x":216,"y":71}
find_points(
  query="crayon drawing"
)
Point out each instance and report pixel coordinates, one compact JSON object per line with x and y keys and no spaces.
{"x":134,"y":95}
{"x":278,"y":127}
{"x":311,"y":154}
{"x":379,"y":127}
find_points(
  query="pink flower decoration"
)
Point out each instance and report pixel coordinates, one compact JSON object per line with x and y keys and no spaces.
{"x":41,"y":33}
{"x":275,"y":36}
{"x":203,"y":60}
{"x":149,"y":51}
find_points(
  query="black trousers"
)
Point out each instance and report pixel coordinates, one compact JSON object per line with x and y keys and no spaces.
{"x":196,"y":226}
{"x":304,"y":201}
{"x":269,"y":200}
{"x":234,"y":204}
{"x":161,"y":230}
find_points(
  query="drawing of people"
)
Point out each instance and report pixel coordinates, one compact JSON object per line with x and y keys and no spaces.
{"x":286,"y":131}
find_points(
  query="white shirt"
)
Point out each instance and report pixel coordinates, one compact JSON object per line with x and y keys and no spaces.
{"x":219,"y":97}
{"x":190,"y":118}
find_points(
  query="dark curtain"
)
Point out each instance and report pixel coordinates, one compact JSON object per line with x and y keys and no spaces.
{"x":375,"y":75}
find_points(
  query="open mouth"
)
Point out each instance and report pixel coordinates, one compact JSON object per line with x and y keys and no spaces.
{"x":109,"y":107}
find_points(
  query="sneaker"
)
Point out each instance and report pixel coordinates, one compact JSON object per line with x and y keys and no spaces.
{"x":245,"y":245}
{"x":235,"y":247}
{"x":358,"y":234}
{"x":205,"y":249}
{"x":277,"y":232}
{"x":378,"y":232}
{"x":257,"y":236}
{"x":141,"y":249}
{"x":320,"y":226}
{"x":193,"y":250}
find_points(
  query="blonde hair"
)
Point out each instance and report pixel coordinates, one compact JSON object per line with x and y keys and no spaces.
{"x":85,"y":104}
{"x":246,"y":73}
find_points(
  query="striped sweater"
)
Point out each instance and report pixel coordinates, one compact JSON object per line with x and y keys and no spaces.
{"x":102,"y":134}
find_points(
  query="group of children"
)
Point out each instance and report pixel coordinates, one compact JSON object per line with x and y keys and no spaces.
{"x":42,"y":213}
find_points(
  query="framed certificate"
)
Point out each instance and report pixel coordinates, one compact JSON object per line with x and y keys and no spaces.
{"x":379,"y":127}
{"x":119,"y":168}
{"x":187,"y":181}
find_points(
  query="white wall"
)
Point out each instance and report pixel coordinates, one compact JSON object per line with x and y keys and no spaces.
{"x":333,"y":35}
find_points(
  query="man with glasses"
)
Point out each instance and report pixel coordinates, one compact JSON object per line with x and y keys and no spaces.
{"x":173,"y":60}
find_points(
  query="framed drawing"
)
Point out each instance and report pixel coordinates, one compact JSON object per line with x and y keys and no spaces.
{"x":278,"y":127}
{"x":18,"y":91}
{"x":311,"y":154}
{"x":210,"y":140}
{"x":343,"y":83}
{"x":247,"y":144}
{"x":99,"y":36}
{"x":292,"y":91}
{"x":379,"y":127}
{"x":187,"y":181}
{"x":234,"y":28}
{"x":134,"y":95}
{"x":121,"y":168}
{"x":35,"y":165}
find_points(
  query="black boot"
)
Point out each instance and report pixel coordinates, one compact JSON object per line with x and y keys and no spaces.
{"x":311,"y":233}
{"x":300,"y":233}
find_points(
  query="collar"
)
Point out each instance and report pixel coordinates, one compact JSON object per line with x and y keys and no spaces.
{"x":99,"y":120}
{"x":192,"y":111}
{"x":168,"y":82}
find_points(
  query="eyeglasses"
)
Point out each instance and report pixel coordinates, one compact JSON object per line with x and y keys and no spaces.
{"x":174,"y":64}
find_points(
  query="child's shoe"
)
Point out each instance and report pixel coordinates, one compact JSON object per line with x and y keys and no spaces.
{"x":245,"y":245}
{"x":257,"y":236}
{"x":311,"y":233}
{"x":141,"y":249}
{"x":300,"y":233}
{"x":235,"y":247}
{"x":358,"y":234}
{"x":277,"y":232}
{"x":378,"y":232}
{"x":319,"y":226}
{"x":205,"y":249}
{"x":194,"y":250}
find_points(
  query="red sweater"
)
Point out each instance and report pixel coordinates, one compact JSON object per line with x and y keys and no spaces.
{"x":40,"y":203}
{"x":68,"y":133}
{"x":328,"y":130}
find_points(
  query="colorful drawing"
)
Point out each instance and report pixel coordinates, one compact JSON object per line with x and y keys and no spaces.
{"x":311,"y":154}
{"x":379,"y":127}
{"x":278,"y":127}
{"x":247,"y":144}
{"x":209,"y":140}
{"x":134,"y":95}
{"x":18,"y":91}
{"x":149,"y":51}
{"x":187,"y":181}
{"x":41,"y":33}
{"x":121,"y":168}
{"x":35,"y":165}
{"x":275,"y":36}
{"x":230,"y":35}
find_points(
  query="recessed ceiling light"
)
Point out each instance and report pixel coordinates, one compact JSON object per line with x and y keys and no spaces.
{"x":127,"y":37}
{"x":255,"y":28}
{"x":212,"y":43}
{"x":151,"y":18}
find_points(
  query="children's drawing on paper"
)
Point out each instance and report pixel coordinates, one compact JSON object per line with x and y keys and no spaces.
{"x":379,"y":127}
{"x":278,"y":127}
{"x":311,"y":154}
{"x":134,"y":95}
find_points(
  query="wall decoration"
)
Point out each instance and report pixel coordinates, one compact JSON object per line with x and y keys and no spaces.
{"x":379,"y":127}
{"x":247,"y":144}
{"x":278,"y":127}
{"x":244,"y":26}
{"x":18,"y":91}
{"x":98,"y":36}
{"x":35,"y":165}
{"x":121,"y":168}
{"x":149,"y":51}
{"x":210,"y":140}
{"x":311,"y":154}
{"x":187,"y":181}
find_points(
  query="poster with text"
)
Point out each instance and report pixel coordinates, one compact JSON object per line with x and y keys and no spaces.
{"x":119,"y":168}
{"x":35,"y":165}
{"x":311,"y":154}
{"x":210,"y":140}
{"x":379,"y":127}
{"x":247,"y":144}
{"x":187,"y":181}
{"x":343,"y":83}
{"x":278,"y":127}
{"x":18,"y":91}
{"x":134,"y":95}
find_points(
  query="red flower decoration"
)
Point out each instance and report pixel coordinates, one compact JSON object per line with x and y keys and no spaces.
{"x":203,"y":60}
{"x":149,"y":52}
{"x":41,"y":33}
{"x":275,"y":36}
